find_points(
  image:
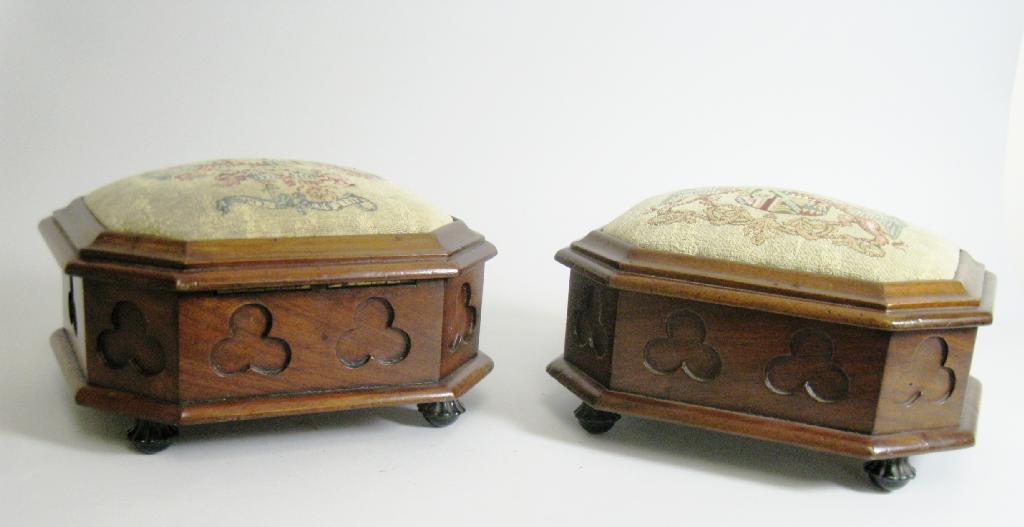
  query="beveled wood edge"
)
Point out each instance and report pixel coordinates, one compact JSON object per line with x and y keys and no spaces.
{"x":83,"y":248}
{"x":453,"y":386}
{"x":794,"y":301}
{"x":851,"y":444}
{"x":267,"y":277}
{"x":150,"y":250}
{"x":93,"y":241}
{"x":124,"y":403}
{"x":962,"y":290}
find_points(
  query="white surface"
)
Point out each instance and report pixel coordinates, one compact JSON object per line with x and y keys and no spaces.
{"x":535,"y":122}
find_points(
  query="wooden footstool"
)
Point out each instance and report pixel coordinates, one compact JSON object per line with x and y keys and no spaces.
{"x":239,"y":289}
{"x":778,"y":315}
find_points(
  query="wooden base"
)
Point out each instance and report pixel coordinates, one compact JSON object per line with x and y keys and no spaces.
{"x":451,"y":387}
{"x":864,"y":446}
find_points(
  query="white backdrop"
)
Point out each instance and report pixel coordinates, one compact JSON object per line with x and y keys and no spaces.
{"x":535,"y":122}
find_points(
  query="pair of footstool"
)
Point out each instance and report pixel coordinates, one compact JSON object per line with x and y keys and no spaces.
{"x":240,"y":289}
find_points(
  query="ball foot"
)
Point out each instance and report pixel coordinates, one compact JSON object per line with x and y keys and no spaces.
{"x":442,"y":413}
{"x":150,"y":437}
{"x":595,"y":421}
{"x":890,"y":474}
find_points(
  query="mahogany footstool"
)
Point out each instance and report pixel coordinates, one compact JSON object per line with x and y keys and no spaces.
{"x":777,"y":315}
{"x":241,"y":289}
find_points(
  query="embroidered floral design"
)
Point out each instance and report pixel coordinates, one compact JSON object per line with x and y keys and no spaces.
{"x":286,"y":184}
{"x":767,"y":213}
{"x":296,"y":200}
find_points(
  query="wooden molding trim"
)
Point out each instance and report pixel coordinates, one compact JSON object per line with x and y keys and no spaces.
{"x":841,"y":442}
{"x":964,"y":300}
{"x":85,"y":248}
{"x":188,"y":413}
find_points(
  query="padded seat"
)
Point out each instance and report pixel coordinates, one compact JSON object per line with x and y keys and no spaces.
{"x":260,"y":198}
{"x":787,"y":229}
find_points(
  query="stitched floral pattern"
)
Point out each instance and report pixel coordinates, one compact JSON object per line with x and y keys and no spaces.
{"x":766,"y":213}
{"x":260,"y":198}
{"x":294,"y":185}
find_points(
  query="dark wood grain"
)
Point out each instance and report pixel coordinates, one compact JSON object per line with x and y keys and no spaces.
{"x":313,"y":325}
{"x":925,"y":379}
{"x":187,"y":332}
{"x":463,"y":308}
{"x":130,"y":404}
{"x":745,"y":343}
{"x":83,"y":248}
{"x":159,"y":322}
{"x":963,"y":301}
{"x":590,"y":326}
{"x":874,"y":370}
{"x":864,"y":446}
{"x":73,"y":296}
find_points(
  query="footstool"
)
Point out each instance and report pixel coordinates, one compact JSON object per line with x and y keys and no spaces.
{"x":240,"y":289}
{"x":778,"y":315}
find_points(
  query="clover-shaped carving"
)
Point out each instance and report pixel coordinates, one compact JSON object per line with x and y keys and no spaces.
{"x":129,"y":343}
{"x":684,"y":348}
{"x":373,"y":336}
{"x":809,"y":365}
{"x":464,"y":321}
{"x":249,"y":345}
{"x":588,"y":328}
{"x":929,"y":378}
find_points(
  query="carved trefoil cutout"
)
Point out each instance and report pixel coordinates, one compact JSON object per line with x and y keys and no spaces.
{"x":588,"y":324}
{"x":129,"y":343}
{"x":373,"y":336}
{"x":683,"y":347}
{"x":249,"y":346}
{"x":464,"y":321}
{"x":929,"y":379}
{"x":809,"y":366}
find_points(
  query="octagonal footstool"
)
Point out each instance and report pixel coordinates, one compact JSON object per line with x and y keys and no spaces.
{"x":778,"y":315}
{"x":240,"y":289}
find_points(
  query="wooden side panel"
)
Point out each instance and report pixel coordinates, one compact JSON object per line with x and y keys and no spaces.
{"x":590,"y":326}
{"x":925,"y":380}
{"x":462,"y":308}
{"x":748,"y":361}
{"x":73,"y":308}
{"x":131,"y":339}
{"x":237,"y":345}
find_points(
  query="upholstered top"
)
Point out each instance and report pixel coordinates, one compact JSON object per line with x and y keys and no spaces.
{"x":786,"y":229}
{"x":260,"y":198}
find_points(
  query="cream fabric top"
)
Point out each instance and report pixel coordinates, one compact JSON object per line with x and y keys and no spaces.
{"x":787,"y":229}
{"x":260,"y":198}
